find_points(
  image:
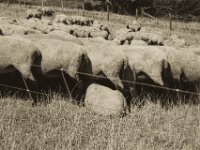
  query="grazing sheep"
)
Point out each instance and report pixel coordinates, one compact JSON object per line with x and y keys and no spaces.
{"x":138,"y":43}
{"x":150,"y":62}
{"x":17,"y":56}
{"x":11,"y":29}
{"x":36,"y":13}
{"x":38,"y":25}
{"x":17,"y":52}
{"x":70,"y":20}
{"x":134,"y":26}
{"x":58,"y":55}
{"x":175,"y":41}
{"x":150,"y":38}
{"x":46,"y":11}
{"x":109,"y":62}
{"x":80,"y":20}
{"x":110,"y":67}
{"x":66,"y":28}
{"x":54,"y":35}
{"x":105,"y":101}
{"x":85,"y":32}
{"x":68,"y":36}
{"x":96,"y":24}
{"x":184,"y":65}
{"x":98,"y":41}
{"x":61,"y":18}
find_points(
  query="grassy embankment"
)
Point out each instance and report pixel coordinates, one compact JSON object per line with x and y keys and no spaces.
{"x":62,"y":125}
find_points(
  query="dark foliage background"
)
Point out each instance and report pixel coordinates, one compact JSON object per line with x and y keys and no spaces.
{"x":185,"y":8}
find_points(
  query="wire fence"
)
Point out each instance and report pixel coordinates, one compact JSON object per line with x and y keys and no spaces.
{"x":29,"y":91}
{"x":95,"y":76}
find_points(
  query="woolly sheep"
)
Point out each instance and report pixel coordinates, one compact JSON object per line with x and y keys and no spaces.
{"x":183,"y":62}
{"x":175,"y":41}
{"x":150,"y":61}
{"x":57,"y":55}
{"x":54,"y":35}
{"x":138,"y":43}
{"x":150,"y":38}
{"x":107,"y":61}
{"x":11,"y":29}
{"x":89,"y":32}
{"x":38,"y":25}
{"x":18,"y":52}
{"x":105,"y":101}
{"x":134,"y":26}
{"x":70,"y":20}
{"x":36,"y":13}
{"x":46,"y":11}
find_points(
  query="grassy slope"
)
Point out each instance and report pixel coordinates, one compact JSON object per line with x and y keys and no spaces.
{"x":61,"y":125}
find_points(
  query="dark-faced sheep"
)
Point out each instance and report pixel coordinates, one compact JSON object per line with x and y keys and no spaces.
{"x":61,"y":61}
{"x":17,"y":57}
{"x":36,"y":13}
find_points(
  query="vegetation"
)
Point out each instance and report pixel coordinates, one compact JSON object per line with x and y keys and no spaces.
{"x":62,"y":125}
{"x":188,"y":9}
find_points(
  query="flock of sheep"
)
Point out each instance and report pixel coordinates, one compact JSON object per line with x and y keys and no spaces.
{"x":79,"y":54}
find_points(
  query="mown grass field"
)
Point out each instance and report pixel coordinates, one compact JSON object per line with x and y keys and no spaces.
{"x":61,"y":125}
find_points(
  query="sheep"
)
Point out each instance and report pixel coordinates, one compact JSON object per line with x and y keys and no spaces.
{"x":89,"y":32}
{"x":138,"y":43}
{"x":17,"y":57}
{"x":96,"y":24}
{"x":36,"y":13}
{"x":46,"y":11}
{"x":104,"y":101}
{"x":185,"y":71}
{"x":148,"y":61}
{"x":38,"y":25}
{"x":11,"y":29}
{"x":184,"y":64}
{"x":134,"y":26}
{"x":175,"y":41}
{"x":57,"y":35}
{"x":110,"y":66}
{"x":70,"y":20}
{"x":150,"y":38}
{"x":107,"y":61}
{"x":68,"y":36}
{"x":57,"y":57}
{"x":68,"y":28}
{"x":61,"y":18}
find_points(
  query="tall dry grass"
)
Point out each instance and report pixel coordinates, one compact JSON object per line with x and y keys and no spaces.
{"x":62,"y":125}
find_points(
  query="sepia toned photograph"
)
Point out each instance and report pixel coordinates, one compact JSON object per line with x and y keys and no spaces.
{"x":99,"y":74}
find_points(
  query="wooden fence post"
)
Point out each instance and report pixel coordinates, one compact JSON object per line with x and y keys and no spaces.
{"x":62,"y":6}
{"x":136,"y":13}
{"x":142,"y":11}
{"x":108,"y":13}
{"x":108,"y":3}
{"x":83,"y":8}
{"x":170,"y":21}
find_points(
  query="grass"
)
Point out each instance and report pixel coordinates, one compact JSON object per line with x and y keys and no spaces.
{"x":62,"y":125}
